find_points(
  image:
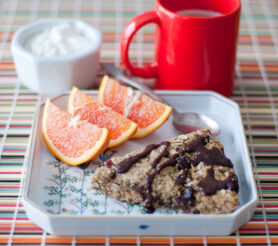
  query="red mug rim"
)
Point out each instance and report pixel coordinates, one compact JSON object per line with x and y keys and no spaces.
{"x":168,"y":11}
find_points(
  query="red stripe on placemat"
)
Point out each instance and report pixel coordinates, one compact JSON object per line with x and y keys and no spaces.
{"x":10,"y":172}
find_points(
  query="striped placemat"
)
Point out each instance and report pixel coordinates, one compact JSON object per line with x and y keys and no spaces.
{"x":256,"y":91}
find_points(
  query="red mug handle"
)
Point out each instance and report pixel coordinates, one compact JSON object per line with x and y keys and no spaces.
{"x":151,"y":70}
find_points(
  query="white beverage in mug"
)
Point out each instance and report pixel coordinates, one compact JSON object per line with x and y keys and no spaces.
{"x":198,"y":13}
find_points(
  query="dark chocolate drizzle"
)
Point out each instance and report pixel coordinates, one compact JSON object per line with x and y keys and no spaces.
{"x":186,"y":199}
{"x":208,"y":156}
{"x":196,"y":211}
{"x":164,"y":153}
{"x":172,"y":161}
{"x":124,"y":165}
{"x":182,"y":160}
{"x":209,"y":185}
{"x":148,"y":208}
{"x":181,"y":179}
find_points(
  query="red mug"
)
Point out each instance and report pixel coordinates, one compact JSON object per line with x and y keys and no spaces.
{"x":193,"y":52}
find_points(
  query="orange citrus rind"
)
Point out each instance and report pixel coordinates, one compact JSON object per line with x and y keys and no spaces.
{"x":79,"y":103}
{"x":102,"y":88}
{"x":141,"y":131}
{"x":72,"y":104}
{"x":86,"y":155}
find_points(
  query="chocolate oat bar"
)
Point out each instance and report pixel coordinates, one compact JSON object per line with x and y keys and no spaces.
{"x":188,"y":173}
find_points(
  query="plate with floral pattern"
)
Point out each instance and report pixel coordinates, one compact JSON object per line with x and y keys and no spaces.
{"x":58,"y":197}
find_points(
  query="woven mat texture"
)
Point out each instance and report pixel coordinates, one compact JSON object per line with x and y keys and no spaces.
{"x":256,"y":92}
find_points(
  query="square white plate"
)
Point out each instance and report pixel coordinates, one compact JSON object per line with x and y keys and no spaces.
{"x":57,"y":197}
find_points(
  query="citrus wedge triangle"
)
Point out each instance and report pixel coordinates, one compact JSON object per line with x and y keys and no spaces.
{"x":147,"y":113}
{"x":120,"y":128}
{"x":70,"y":139}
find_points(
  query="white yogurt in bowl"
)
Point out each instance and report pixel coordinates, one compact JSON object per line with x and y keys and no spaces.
{"x":54,"y":55}
{"x":59,"y":40}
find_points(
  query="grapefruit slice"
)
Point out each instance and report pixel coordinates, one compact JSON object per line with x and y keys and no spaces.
{"x":70,"y":139}
{"x":120,"y":128}
{"x":147,"y":113}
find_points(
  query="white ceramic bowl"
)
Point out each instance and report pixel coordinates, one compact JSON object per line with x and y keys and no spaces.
{"x":50,"y":75}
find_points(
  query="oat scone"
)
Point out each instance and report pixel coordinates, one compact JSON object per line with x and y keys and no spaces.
{"x":188,"y":173}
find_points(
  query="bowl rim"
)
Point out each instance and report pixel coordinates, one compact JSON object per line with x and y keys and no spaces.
{"x":17,"y":45}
